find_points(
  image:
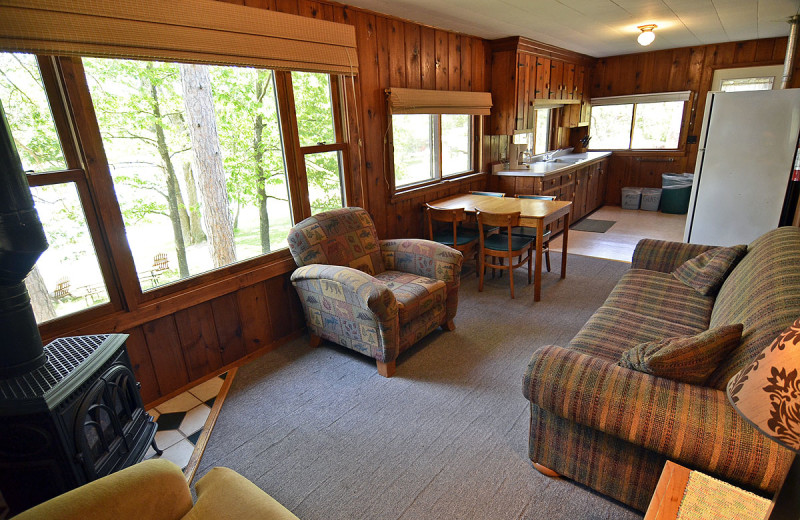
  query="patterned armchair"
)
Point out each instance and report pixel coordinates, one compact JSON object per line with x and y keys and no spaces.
{"x":377,"y":297}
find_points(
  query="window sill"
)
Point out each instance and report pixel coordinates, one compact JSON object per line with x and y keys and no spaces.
{"x":416,"y":191}
{"x":191,"y":292}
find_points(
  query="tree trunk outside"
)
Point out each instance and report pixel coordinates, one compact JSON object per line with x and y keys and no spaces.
{"x":40,"y":297}
{"x":172,"y":180}
{"x":195,"y":227}
{"x":261,"y":190}
{"x":258,"y":157}
{"x":183,"y":214}
{"x":202,"y":125}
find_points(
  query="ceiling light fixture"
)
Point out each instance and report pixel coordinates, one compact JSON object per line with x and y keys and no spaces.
{"x":647,"y":36}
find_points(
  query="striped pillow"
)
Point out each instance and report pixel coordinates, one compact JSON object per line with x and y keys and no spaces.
{"x":690,"y":359}
{"x":706,"y":272}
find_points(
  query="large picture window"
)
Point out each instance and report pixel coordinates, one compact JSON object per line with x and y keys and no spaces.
{"x":646,"y":122}
{"x":197,"y":159}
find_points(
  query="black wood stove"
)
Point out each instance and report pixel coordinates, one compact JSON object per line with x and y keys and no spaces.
{"x":70,"y":412}
{"x":76,"y":418}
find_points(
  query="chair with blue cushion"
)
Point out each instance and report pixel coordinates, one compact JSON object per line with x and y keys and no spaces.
{"x":530,"y":232}
{"x":503,"y":245}
{"x":454,"y":235}
{"x":489,"y":193}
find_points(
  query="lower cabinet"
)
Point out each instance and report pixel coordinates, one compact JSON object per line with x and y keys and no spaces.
{"x":584,"y":186}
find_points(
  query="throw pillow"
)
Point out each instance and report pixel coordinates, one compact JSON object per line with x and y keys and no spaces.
{"x":690,"y":359}
{"x":706,"y":272}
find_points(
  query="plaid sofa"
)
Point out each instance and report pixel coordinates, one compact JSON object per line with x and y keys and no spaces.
{"x":377,"y":297}
{"x":612,"y":428}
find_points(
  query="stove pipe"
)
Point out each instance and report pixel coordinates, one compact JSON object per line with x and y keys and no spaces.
{"x":22,"y":241}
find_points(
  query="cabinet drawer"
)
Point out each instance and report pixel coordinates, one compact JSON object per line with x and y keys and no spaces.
{"x":568,"y":177}
{"x":551,"y":182}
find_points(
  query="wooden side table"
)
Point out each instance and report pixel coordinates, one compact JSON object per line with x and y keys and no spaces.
{"x":687,"y":494}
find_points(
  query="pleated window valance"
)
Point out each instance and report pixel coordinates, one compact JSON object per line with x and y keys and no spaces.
{"x":199,"y":31}
{"x":661,"y":97}
{"x":416,"y":101}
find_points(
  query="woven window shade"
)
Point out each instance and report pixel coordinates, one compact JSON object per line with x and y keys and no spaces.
{"x":415,"y":101}
{"x":197,"y":31}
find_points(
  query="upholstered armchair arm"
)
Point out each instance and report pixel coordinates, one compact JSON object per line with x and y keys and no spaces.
{"x":151,"y":489}
{"x":687,"y":423}
{"x":352,"y":286}
{"x":664,"y":256}
{"x":426,"y":258}
{"x":350,"y":307}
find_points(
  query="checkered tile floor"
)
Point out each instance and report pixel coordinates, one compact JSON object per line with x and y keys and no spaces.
{"x":181,"y":420}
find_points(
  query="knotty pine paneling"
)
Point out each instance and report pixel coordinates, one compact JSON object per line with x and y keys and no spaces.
{"x":395,"y":53}
{"x":687,"y":68}
{"x":170,"y":352}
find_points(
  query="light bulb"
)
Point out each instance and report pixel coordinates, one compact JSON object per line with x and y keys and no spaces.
{"x":647,"y":36}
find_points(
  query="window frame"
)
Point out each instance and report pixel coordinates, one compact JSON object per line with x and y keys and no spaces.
{"x":78,"y":131}
{"x":639,"y":99}
{"x":476,"y":131}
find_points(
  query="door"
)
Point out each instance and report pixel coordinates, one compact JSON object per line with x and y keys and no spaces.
{"x":747,"y":150}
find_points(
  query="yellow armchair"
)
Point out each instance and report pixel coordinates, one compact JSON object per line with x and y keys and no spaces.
{"x":157,"y":490}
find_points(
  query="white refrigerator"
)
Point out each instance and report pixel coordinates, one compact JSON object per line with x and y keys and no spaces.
{"x":745,"y":161}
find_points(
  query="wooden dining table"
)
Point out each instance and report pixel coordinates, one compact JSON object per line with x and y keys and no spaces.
{"x":533,"y":213}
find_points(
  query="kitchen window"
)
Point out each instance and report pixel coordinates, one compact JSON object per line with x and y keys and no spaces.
{"x":639,"y":122}
{"x":433,"y":134}
{"x":541,"y":132}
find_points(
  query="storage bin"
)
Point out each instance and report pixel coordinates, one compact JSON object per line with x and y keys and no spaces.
{"x":651,"y":198}
{"x":675,"y":199}
{"x":631,"y":198}
{"x":676,"y":179}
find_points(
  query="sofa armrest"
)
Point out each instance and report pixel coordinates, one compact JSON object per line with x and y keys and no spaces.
{"x":349,"y":285}
{"x":223,"y":493}
{"x":692,"y":424}
{"x":664,"y":256}
{"x":154,"y":489}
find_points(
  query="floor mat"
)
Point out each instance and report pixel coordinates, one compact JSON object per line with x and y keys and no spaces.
{"x":594,"y":226}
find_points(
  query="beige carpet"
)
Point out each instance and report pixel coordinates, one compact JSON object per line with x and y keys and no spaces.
{"x":446,"y":438}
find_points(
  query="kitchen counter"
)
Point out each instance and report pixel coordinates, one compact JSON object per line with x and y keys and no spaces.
{"x":558,"y":165}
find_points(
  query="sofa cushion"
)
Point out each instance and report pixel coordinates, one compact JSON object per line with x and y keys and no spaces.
{"x":415,"y":294}
{"x":762,"y":293}
{"x":706,"y":272}
{"x":610,"y":332}
{"x":657,"y":294}
{"x":690,"y":359}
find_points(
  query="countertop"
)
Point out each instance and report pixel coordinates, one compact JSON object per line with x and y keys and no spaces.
{"x":541,"y":168}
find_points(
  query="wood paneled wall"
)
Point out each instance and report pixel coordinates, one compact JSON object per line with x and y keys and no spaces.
{"x":174,"y":350}
{"x":245,"y":310}
{"x":687,"y":68}
{"x":397,"y":53}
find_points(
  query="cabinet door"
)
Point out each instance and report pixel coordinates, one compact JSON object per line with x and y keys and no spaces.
{"x":556,"y":79}
{"x":581,"y":180}
{"x":602,"y":182}
{"x":569,"y":81}
{"x":580,"y":79}
{"x":542,"y":77}
{"x":591,"y":192}
{"x":521,"y":120}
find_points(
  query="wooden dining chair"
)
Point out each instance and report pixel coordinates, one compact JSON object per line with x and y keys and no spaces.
{"x":530,"y":232}
{"x":456,"y":236}
{"x":503,"y":245}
